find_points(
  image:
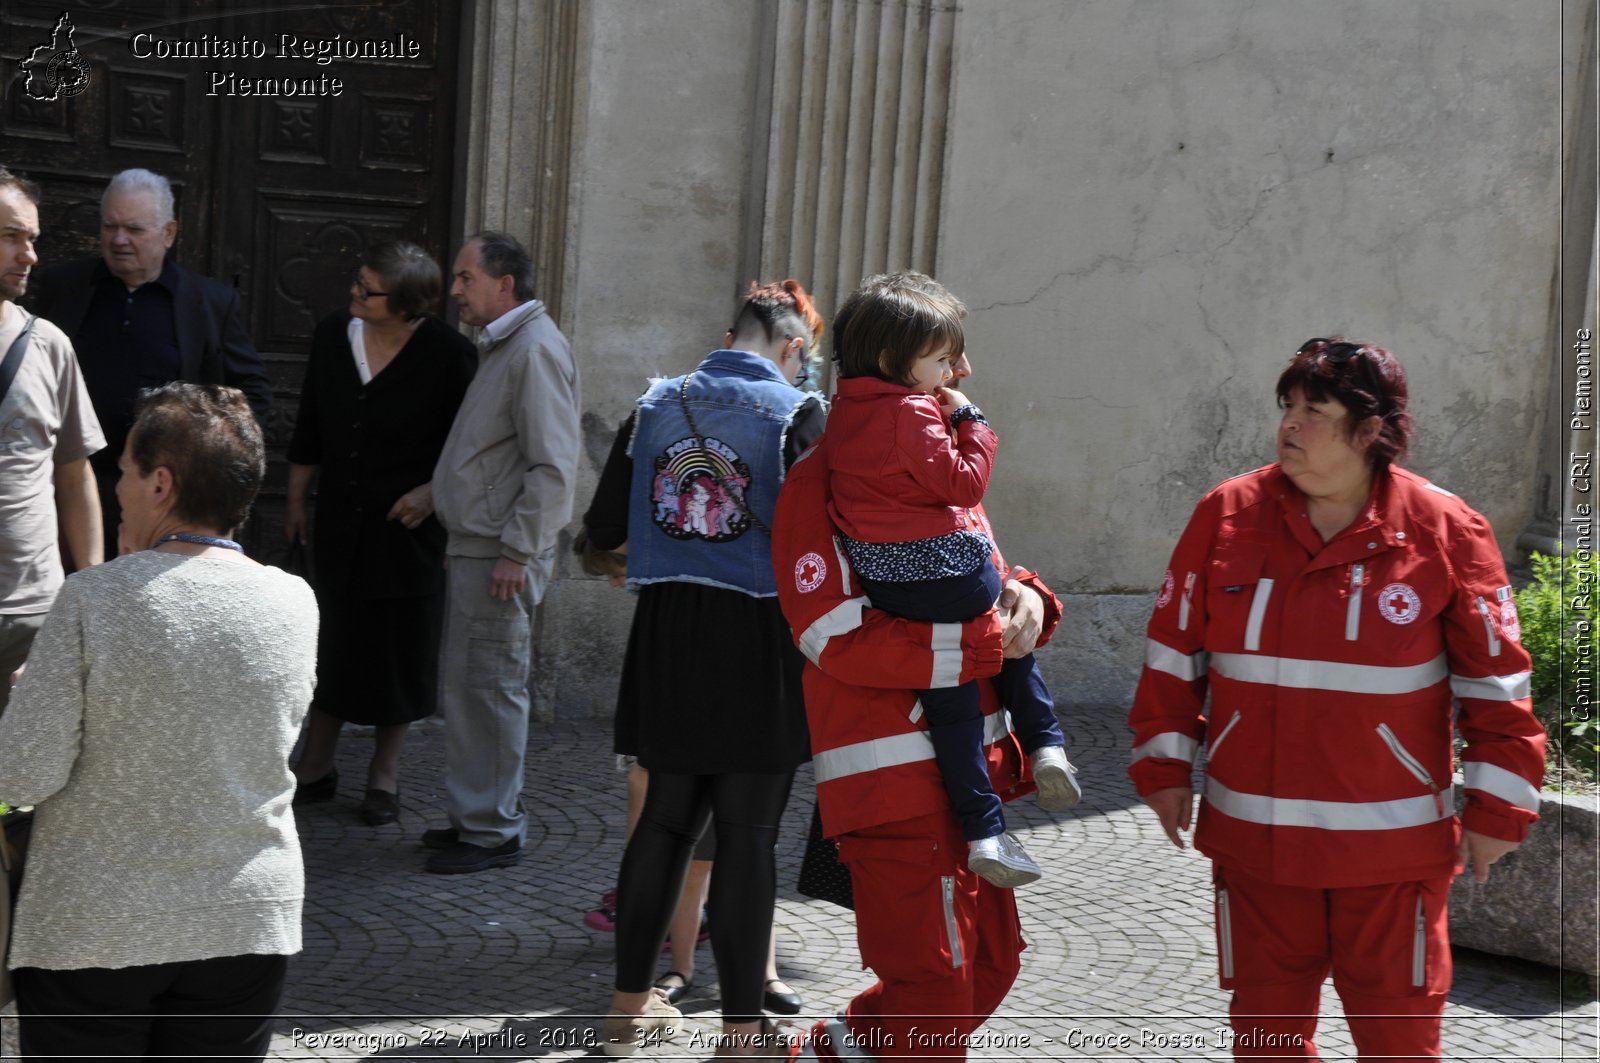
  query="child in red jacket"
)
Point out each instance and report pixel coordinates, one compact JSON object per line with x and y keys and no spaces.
{"x":907,"y":457}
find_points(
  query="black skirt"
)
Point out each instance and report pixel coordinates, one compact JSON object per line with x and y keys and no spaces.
{"x":378,"y":660}
{"x":711,"y":684}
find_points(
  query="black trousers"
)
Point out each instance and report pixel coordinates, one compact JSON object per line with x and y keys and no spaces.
{"x":211,"y":1009}
{"x":746,"y":808}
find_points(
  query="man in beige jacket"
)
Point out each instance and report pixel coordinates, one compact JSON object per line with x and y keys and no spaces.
{"x":503,"y":489}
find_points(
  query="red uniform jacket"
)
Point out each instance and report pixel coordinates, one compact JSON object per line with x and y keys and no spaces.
{"x":900,"y":472}
{"x":871,"y":752}
{"x":1333,"y":671}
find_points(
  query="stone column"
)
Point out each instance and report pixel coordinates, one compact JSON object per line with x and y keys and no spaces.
{"x":1574,"y":309}
{"x":518,"y":135}
{"x":851,"y":179}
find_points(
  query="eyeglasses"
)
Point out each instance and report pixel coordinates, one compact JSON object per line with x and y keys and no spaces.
{"x":1339,"y":354}
{"x":362,"y":291}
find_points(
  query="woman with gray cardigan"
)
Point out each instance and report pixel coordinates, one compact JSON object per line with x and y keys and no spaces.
{"x":152,"y":729}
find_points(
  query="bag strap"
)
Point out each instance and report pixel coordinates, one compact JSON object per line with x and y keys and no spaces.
{"x":700,"y":441}
{"x":13,"y":362}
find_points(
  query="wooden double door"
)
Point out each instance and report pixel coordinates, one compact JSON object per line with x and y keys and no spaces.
{"x":276,"y":194}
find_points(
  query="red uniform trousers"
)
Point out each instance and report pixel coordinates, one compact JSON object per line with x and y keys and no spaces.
{"x":946,"y":945}
{"x":1387,"y":946}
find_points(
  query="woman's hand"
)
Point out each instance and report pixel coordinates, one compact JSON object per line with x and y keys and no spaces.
{"x":413,"y":507}
{"x":1478,"y":851}
{"x":619,"y":577}
{"x":296,"y":526}
{"x":1173,"y":807}
{"x":1022,"y":614}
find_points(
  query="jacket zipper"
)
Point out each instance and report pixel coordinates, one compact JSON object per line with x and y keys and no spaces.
{"x":1488,"y":627}
{"x":1258,"y":613}
{"x":1352,"y":616}
{"x":1217,"y":741}
{"x":948,"y":884}
{"x":1183,"y":603}
{"x":1412,"y":764}
{"x":1419,"y":947}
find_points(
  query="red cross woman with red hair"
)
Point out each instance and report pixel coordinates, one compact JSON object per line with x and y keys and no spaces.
{"x":1337,"y":608}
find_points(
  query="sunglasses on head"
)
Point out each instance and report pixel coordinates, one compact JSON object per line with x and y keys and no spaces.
{"x":1338,"y":354}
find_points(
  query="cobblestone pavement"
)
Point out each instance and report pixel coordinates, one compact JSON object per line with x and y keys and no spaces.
{"x":399,"y":964}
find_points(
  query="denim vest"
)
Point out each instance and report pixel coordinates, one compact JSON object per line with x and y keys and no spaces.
{"x":689,"y":508}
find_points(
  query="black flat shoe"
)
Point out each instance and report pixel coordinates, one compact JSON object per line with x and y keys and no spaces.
{"x":464,"y":858}
{"x":380,"y":807}
{"x":780,"y":1003}
{"x":675,"y":993}
{"x":317,"y":790}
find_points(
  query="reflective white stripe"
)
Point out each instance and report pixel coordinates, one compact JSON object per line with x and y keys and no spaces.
{"x":1419,"y":947}
{"x":844,"y":566}
{"x":846,"y":616}
{"x":1442,"y":491}
{"x":1163,"y":658}
{"x":1183,"y":603}
{"x":946,"y":646}
{"x":1225,"y":932}
{"x":1506,"y":785}
{"x":1329,"y":675}
{"x":1488,"y":627}
{"x":1217,"y":741}
{"x":892,"y":751}
{"x":1352,"y":615}
{"x":916,"y":711}
{"x":952,"y":933}
{"x":1168,"y":745}
{"x":843,"y":1041}
{"x":1327,"y":815}
{"x":1258,"y":611}
{"x":1491,"y":687}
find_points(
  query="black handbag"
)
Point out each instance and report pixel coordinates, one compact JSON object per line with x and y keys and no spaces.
{"x":822,"y":876}
{"x":18,"y":828}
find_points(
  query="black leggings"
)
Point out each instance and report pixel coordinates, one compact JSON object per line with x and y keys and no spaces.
{"x":744,"y":885}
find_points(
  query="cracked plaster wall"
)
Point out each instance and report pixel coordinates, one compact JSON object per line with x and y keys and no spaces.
{"x":1147,"y":205}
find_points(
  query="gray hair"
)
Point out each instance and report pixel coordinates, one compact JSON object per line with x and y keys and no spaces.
{"x":143,"y":181}
{"x":501,"y":254}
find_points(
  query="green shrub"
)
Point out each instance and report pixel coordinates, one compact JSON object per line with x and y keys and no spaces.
{"x":1560,"y":616}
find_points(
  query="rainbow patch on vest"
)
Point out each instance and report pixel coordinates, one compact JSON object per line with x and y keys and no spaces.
{"x":699,"y":492}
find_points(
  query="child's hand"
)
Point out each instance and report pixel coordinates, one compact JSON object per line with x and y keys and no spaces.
{"x":951,"y":400}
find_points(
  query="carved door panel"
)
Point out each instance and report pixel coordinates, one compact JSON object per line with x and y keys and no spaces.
{"x":279,"y":185}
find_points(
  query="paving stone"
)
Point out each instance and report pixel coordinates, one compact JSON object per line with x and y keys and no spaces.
{"x":399,"y":964}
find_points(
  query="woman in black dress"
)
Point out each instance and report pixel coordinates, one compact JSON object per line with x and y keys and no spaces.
{"x":382,"y":386}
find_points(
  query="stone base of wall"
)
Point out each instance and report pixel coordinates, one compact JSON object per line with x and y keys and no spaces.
{"x":1098,"y":650}
{"x":1539,"y":902}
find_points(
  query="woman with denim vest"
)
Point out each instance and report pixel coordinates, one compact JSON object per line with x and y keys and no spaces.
{"x":710,"y":695}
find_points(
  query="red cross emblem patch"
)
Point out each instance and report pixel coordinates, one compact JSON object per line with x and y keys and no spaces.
{"x":809,"y":572}
{"x":1399,"y":604}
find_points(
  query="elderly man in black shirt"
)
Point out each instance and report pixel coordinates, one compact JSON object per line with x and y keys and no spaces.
{"x":138,"y":320}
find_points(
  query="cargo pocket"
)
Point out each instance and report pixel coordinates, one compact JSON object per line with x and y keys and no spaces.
{"x":497,"y":653}
{"x":908,"y":906}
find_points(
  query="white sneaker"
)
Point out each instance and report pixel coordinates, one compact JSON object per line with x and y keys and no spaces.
{"x":1057,"y":779}
{"x":1002,"y":861}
